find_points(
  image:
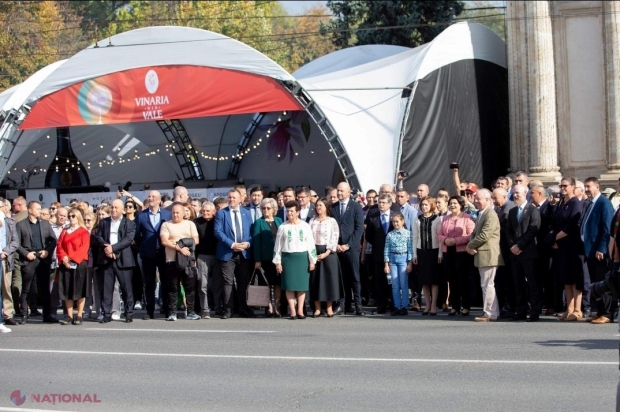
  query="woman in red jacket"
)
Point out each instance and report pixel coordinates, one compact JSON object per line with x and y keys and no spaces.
{"x":74,"y":283}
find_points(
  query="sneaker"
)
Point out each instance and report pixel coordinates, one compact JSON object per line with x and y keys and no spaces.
{"x":137,"y":306}
{"x":116,"y":316}
{"x":192,"y":316}
{"x":100,"y":317}
{"x":4,"y":329}
{"x":172,"y":318}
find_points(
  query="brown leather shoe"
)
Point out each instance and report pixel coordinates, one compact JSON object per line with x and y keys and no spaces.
{"x":550,"y":312}
{"x":601,"y":319}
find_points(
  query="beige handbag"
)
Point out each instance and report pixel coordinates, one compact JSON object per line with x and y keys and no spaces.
{"x":258,"y":295}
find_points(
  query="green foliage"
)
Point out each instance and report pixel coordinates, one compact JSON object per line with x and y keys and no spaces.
{"x":487,"y":13}
{"x":403,"y":23}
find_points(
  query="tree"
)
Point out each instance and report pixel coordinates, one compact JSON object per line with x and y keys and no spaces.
{"x":402,"y":23}
{"x":487,"y":13}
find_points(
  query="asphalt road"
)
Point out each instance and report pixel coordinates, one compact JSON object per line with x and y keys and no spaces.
{"x":341,"y":364}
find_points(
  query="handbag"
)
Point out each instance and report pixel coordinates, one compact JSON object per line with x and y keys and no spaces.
{"x":257,"y":295}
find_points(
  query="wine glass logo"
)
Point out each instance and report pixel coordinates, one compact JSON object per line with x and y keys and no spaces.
{"x":94,"y":101}
{"x":151,"y":81}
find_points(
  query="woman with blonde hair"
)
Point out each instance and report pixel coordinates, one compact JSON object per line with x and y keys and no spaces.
{"x":74,"y":283}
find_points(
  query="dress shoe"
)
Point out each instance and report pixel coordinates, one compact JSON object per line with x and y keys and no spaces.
{"x":348,"y":310}
{"x":128,"y":319}
{"x":533,"y":318}
{"x":518,"y":317}
{"x":395,"y":312}
{"x":149,"y":316}
{"x":35,"y":312}
{"x":483,"y":319}
{"x":247,"y":314}
{"x":106,"y":319}
{"x":404,"y":312}
{"x":226,"y":315}
{"x":587,"y":313}
{"x":338,"y":311}
{"x":359,"y":311}
{"x":453,"y":312}
{"x":10,"y":321}
{"x":463,"y":313}
{"x":49,"y":320}
{"x":24,"y":320}
{"x":601,"y":320}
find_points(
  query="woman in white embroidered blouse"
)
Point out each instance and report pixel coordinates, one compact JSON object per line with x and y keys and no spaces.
{"x":294,"y":257}
{"x":325,"y":281}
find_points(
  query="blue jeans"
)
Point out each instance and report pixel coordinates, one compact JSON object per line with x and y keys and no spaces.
{"x":400,"y":280}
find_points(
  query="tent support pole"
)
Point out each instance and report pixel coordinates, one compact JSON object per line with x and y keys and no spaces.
{"x":399,"y":151}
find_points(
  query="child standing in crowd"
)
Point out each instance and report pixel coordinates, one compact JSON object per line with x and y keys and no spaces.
{"x":398,"y":254}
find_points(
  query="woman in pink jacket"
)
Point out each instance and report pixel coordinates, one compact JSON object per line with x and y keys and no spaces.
{"x":454,"y":233}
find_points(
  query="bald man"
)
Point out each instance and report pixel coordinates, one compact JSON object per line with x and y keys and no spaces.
{"x":350,"y":218}
{"x":114,"y":236}
{"x":148,"y":223}
{"x":180,"y":194}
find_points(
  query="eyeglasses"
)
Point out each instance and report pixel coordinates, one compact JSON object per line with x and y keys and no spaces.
{"x":52,"y":208}
{"x":88,"y":220}
{"x":266,"y":208}
{"x":128,"y":207}
{"x":564,"y":186}
{"x":72,"y":216}
{"x":314,"y":195}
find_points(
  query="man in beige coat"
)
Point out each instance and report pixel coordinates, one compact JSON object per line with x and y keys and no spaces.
{"x":484,"y":246}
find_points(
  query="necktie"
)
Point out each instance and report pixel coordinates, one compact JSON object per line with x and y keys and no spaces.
{"x":585,"y":217}
{"x":341,"y":208}
{"x":238,"y":234}
{"x":519,"y":213}
{"x":384,"y":223}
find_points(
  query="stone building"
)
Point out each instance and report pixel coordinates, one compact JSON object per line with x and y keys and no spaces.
{"x":564,"y":83}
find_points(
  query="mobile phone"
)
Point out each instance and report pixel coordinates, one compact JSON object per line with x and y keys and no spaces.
{"x":404,"y":173}
{"x":462,"y":193}
{"x":120,"y":188}
{"x":454,"y":165}
{"x":556,"y":195}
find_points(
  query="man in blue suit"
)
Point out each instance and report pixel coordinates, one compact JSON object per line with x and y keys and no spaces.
{"x":233,"y":228}
{"x":148,"y":223}
{"x":595,"y":234}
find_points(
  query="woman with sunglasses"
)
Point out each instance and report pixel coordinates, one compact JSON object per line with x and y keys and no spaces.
{"x":74,"y":283}
{"x":264,"y":233}
{"x":131,"y":208}
{"x":53,"y":209}
{"x":565,"y":239}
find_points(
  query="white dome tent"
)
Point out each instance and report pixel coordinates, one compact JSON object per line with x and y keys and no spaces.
{"x":346,"y":114}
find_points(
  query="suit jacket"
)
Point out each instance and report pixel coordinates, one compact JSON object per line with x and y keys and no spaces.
{"x":262,"y":242}
{"x":502,"y":212}
{"x":375,"y":234}
{"x":351,"y":224}
{"x":147,"y":237}
{"x":546,"y":215}
{"x":311,"y":213}
{"x":523,"y":232}
{"x":596,"y":232}
{"x":226,"y":236}
{"x":410,"y":214}
{"x":12,"y":243}
{"x":48,"y":239}
{"x":122,"y":248}
{"x":485,"y":239}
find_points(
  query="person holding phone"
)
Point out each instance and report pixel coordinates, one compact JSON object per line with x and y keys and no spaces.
{"x":74,"y":282}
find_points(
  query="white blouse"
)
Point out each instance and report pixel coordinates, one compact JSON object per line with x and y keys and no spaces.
{"x":294,"y":238}
{"x":326,"y":232}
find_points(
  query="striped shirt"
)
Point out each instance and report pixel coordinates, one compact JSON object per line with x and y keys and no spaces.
{"x":398,"y":242}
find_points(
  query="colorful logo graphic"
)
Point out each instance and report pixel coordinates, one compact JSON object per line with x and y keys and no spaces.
{"x":151,"y":81}
{"x":94,"y":101}
{"x":17,"y":398}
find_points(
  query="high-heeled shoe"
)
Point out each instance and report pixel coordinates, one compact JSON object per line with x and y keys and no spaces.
{"x":276,"y":315}
{"x":302,"y":317}
{"x":329,"y":315}
{"x":564,"y":316}
{"x":432,"y":313}
{"x":268,"y":314}
{"x":573,"y":317}
{"x":316,"y":314}
{"x":465,"y":313}
{"x":453,"y":312}
{"x":425,"y":313}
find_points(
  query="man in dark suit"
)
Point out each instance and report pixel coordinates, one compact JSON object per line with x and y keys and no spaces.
{"x":551,"y":292}
{"x":350,"y":218}
{"x":503,"y":279}
{"x":148,"y":223}
{"x":522,"y":227}
{"x":36,"y":246}
{"x":595,"y":234}
{"x":307,"y":211}
{"x":378,"y":225}
{"x":288,"y":195}
{"x":8,"y":247}
{"x":114,"y":236}
{"x":233,"y":231}
{"x":256,"y":196}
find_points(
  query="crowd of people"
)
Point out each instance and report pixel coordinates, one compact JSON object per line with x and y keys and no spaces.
{"x":519,"y":250}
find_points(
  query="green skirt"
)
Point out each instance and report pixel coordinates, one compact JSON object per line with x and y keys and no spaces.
{"x":295,"y":275}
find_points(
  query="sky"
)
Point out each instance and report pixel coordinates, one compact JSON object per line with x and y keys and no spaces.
{"x":297,"y":7}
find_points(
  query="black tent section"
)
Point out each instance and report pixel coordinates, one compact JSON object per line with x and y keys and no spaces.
{"x":458,"y":113}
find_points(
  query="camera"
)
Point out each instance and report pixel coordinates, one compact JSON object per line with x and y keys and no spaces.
{"x":120,"y":188}
{"x":454,"y":165}
{"x":403,"y":173}
{"x":608,"y":285}
{"x":557,"y":195}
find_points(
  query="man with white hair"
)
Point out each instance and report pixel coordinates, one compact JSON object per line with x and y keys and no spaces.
{"x":484,"y":246}
{"x":504,"y":284}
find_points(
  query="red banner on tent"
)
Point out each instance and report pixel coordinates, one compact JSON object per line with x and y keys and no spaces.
{"x":159,"y":93}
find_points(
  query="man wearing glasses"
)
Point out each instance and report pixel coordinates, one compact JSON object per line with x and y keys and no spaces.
{"x":256,"y":196}
{"x":62,"y":216}
{"x":313,"y":197}
{"x":307,"y":211}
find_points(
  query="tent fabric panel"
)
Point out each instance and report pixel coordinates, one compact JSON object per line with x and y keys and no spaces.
{"x":160,"y":46}
{"x":159,"y":93}
{"x":457,"y":115}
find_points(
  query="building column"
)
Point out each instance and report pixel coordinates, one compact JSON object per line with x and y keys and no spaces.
{"x":541,"y":86}
{"x":517,"y":85}
{"x":612,"y":89}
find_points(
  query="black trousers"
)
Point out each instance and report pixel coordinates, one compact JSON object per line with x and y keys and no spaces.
{"x":552,"y":292}
{"x":526,"y":281}
{"x":458,"y":266}
{"x":237,"y":268}
{"x":606,"y":306}
{"x":350,"y":266}
{"x":172,"y":277}
{"x":41,"y":271}
{"x":111,"y":272}
{"x":150,"y":266}
{"x":504,"y":282}
{"x":382,"y":291}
